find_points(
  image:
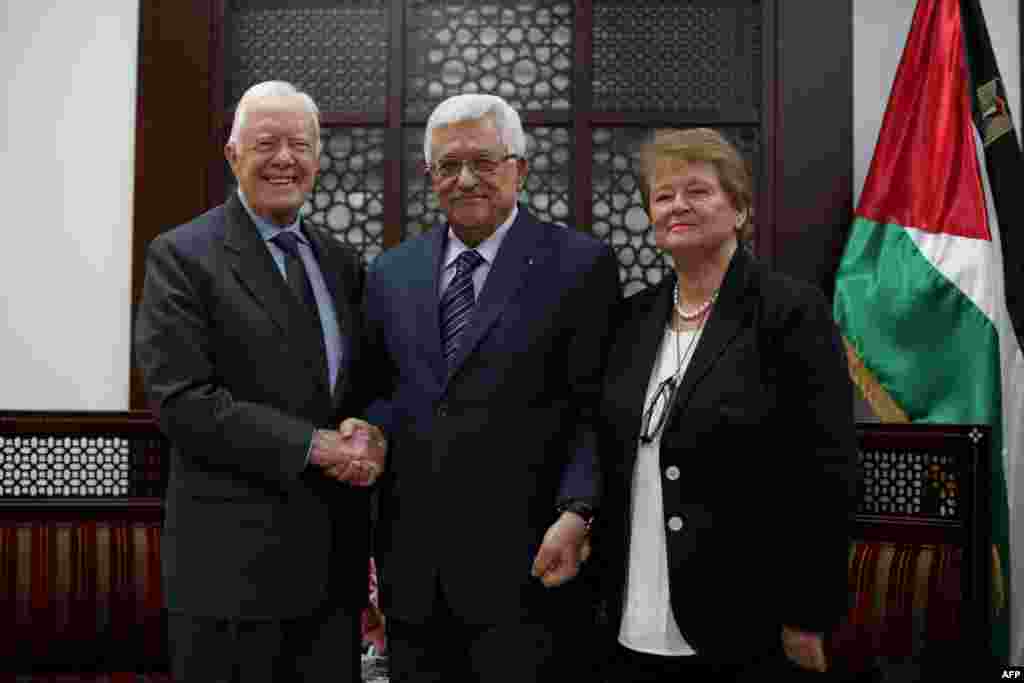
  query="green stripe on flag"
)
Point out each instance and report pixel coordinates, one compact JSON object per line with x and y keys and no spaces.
{"x":932,"y":349}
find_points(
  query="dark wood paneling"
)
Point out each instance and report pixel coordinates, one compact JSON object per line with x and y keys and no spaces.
{"x":669,"y":119}
{"x":84,"y":423}
{"x":764,"y":202}
{"x":219,"y":111}
{"x":583,"y":142}
{"x":78,"y":510}
{"x":394,"y":211}
{"x":812,"y":169}
{"x":172,"y":133}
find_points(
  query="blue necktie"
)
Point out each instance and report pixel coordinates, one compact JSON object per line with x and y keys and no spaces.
{"x":457,"y":303}
{"x":295,"y":270}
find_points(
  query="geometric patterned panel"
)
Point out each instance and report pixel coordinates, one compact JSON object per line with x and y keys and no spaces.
{"x":41,"y":466}
{"x":668,"y":55}
{"x":620,"y":217}
{"x":521,"y":50}
{"x":619,"y":214}
{"x":912,"y":483}
{"x":348,"y":197}
{"x":548,"y":193}
{"x":114,"y":465}
{"x":422,"y":212}
{"x":336,"y":51}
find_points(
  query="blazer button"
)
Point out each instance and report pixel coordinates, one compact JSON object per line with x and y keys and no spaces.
{"x":675,"y":523}
{"x":442,"y":410}
{"x":671,"y":472}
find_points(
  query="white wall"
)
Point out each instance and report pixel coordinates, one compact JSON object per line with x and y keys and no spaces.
{"x":67,"y":173}
{"x":880,"y":29}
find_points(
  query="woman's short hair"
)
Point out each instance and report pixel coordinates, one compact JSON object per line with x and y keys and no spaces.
{"x":272,"y":89}
{"x":700,"y":145}
{"x":472,"y":107}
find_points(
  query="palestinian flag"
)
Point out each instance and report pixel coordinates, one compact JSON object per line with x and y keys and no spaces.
{"x":925,"y":305}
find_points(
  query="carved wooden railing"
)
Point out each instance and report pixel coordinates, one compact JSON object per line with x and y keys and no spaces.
{"x":80,"y":516}
{"x":80,"y":513}
{"x":920,"y":573}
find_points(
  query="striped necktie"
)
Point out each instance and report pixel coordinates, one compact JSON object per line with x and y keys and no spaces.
{"x":457,"y":303}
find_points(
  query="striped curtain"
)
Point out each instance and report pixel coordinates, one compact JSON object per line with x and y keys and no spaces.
{"x":81,"y":592}
{"x":906,"y":600}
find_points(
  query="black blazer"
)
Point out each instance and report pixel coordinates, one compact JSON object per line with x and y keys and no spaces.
{"x":762,"y":435}
{"x":235,"y":372}
{"x":480,"y":456}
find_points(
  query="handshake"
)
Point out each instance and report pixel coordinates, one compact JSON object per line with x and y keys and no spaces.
{"x":354,"y":454}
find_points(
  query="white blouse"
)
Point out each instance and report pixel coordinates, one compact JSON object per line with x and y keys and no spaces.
{"x":648,"y":624}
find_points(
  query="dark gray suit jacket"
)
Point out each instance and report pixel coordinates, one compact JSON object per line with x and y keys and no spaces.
{"x":235,"y":372}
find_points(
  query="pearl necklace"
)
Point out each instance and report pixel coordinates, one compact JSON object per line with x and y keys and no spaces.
{"x":701,"y":310}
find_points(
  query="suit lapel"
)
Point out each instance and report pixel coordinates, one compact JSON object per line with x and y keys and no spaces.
{"x":637,"y":352}
{"x":256,"y":270}
{"x":424,"y":285}
{"x":727,"y":318}
{"x":508,"y":273}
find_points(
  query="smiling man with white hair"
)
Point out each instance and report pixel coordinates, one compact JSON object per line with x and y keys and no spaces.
{"x":247,"y":339}
{"x":488,"y":334}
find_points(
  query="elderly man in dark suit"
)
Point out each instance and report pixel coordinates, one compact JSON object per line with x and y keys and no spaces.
{"x":247,"y":340}
{"x":490,"y":333}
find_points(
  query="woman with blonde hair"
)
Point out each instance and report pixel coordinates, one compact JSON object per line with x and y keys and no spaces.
{"x":729,"y":445}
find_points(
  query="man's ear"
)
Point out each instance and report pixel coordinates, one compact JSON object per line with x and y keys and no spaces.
{"x":523,"y":167}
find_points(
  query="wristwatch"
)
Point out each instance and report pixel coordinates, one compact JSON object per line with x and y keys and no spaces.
{"x":582,"y":509}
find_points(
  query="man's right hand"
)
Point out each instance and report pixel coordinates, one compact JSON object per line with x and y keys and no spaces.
{"x":354,"y":454}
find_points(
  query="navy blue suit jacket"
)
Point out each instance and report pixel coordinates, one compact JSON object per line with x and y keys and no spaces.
{"x":480,"y":455}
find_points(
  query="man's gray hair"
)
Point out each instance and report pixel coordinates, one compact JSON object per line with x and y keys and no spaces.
{"x":273,"y":89}
{"x":472,"y":107}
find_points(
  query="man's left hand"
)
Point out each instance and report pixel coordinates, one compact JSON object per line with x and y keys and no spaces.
{"x":806,"y":649}
{"x":565,"y":548}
